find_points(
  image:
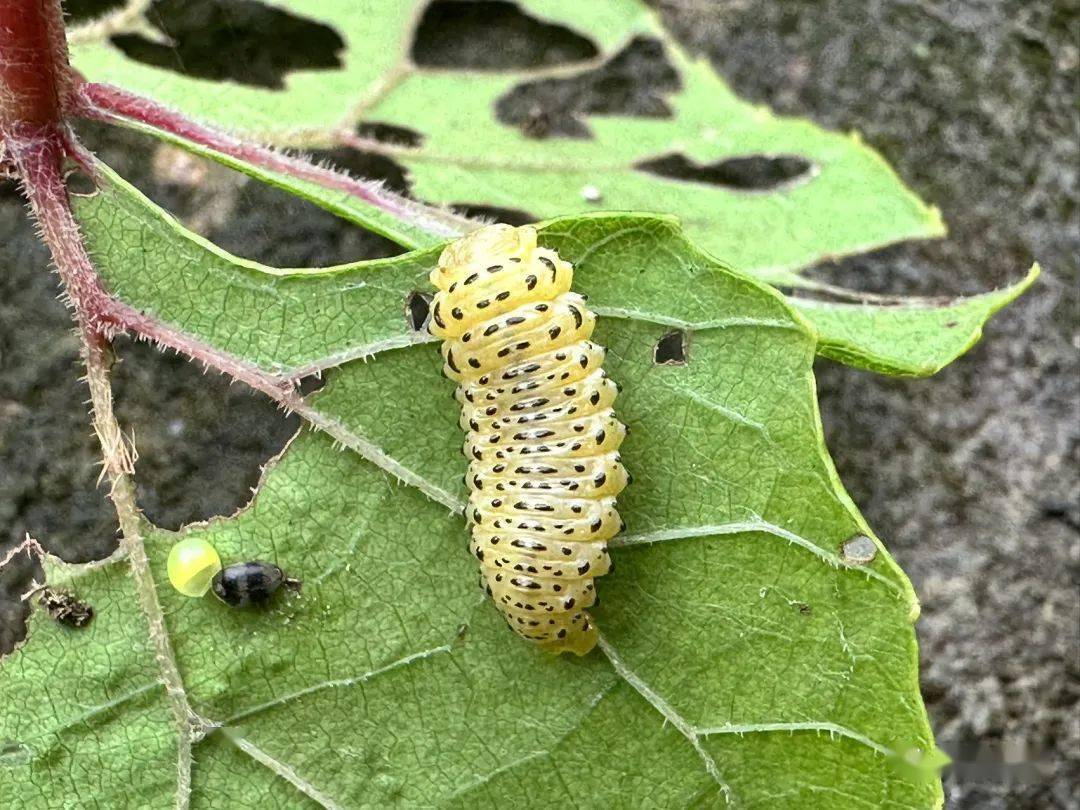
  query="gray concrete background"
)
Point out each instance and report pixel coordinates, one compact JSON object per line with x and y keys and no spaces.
{"x":971,"y":476}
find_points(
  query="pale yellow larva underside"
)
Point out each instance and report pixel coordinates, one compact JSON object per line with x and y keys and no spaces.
{"x":542,"y":437}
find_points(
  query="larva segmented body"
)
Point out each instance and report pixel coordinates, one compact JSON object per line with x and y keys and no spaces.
{"x":542,"y":438}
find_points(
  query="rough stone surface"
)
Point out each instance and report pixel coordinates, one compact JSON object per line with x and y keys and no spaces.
{"x":970,"y":477}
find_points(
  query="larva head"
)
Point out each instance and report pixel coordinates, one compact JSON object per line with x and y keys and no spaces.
{"x":482,"y":247}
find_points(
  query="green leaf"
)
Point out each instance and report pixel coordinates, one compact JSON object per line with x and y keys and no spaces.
{"x":745,"y":653}
{"x":292,"y":322}
{"x":83,"y":712}
{"x":914,"y":340}
{"x":850,"y":201}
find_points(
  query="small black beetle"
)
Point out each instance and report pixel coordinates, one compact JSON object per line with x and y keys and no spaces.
{"x":250,"y":583}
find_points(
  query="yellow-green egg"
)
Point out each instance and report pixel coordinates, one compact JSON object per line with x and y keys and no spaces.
{"x":192,"y":565}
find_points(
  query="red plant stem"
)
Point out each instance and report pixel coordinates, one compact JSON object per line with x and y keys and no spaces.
{"x":38,"y":159}
{"x":105,"y":102}
{"x":34,"y":73}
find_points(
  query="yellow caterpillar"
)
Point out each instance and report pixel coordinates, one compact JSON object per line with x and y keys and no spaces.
{"x":542,"y":439}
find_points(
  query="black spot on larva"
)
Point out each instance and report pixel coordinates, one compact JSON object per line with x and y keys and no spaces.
{"x":474,"y":362}
{"x":600,"y":436}
{"x":671,"y":349}
{"x":457,"y":313}
{"x":542,"y":307}
{"x":554,"y":332}
{"x":583,"y":568}
{"x":583,"y":361}
{"x":530,"y":281}
{"x":595,"y":398}
{"x":438,"y":317}
{"x":450,"y":362}
{"x":417,"y":309}
{"x":578,"y":317}
{"x":502,"y":296}
{"x":483,"y":304}
{"x":599,"y":480}
{"x":742,"y":173}
{"x":515,"y":320}
{"x":595,"y":527}
{"x":491,"y":330}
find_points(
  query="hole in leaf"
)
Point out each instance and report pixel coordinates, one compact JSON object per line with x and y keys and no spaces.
{"x":493,"y":213}
{"x":77,"y":11}
{"x":17,"y":577}
{"x":203,"y":441}
{"x":493,"y":35}
{"x":254,"y":220}
{"x":79,"y":183}
{"x":671,"y":349}
{"x":744,"y":173}
{"x":240,"y":40}
{"x":310,"y":384}
{"x":389,"y":133}
{"x":367,"y":165}
{"x":633,"y":82}
{"x":14,"y":754}
{"x":417,"y":310}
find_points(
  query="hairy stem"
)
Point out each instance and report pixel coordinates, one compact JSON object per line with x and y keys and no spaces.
{"x":107,"y":103}
{"x":34,"y":73}
{"x":118,"y":458}
{"x":38,"y":162}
